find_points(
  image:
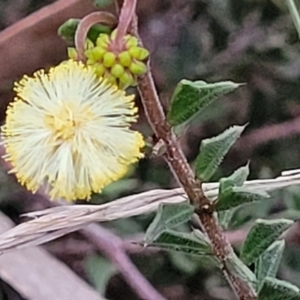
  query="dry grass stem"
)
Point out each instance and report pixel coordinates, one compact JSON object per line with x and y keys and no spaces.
{"x":52,"y":223}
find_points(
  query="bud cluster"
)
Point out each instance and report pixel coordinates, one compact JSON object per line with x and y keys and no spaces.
{"x":120,"y":62}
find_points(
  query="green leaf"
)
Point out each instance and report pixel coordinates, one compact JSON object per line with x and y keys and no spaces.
{"x":237,"y":267}
{"x":190,"y":97}
{"x":185,"y":263}
{"x":181,"y":129}
{"x":262,"y":234}
{"x":67,"y":30}
{"x":232,"y":194}
{"x":102,"y":3}
{"x":275,"y":289}
{"x":225,"y":217}
{"x":193,"y":243}
{"x":235,"y":196}
{"x":268,"y":263}
{"x":168,"y":216}
{"x":236,"y":179}
{"x":213,"y":150}
{"x":100,"y":271}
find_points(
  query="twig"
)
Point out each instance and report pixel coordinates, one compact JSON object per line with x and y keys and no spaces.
{"x":113,"y":248}
{"x":182,"y":171}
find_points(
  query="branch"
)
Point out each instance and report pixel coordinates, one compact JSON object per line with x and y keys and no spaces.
{"x":182,"y":171}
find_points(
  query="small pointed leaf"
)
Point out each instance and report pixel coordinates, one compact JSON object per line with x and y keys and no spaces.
{"x":168,"y":216}
{"x":213,"y":150}
{"x":235,"y":196}
{"x":237,"y":267}
{"x":236,"y":179}
{"x":190,"y":97}
{"x":225,"y":217}
{"x":189,"y":243}
{"x":261,"y":236}
{"x":268,"y":263}
{"x":275,"y":289}
{"x":67,"y":30}
{"x":100,"y":272}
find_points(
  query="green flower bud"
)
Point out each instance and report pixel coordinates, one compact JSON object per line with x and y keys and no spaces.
{"x":131,"y":41}
{"x":119,"y":67}
{"x":126,"y":80}
{"x":88,"y":44}
{"x":90,"y":62}
{"x":138,"y":53}
{"x":102,"y":40}
{"x":99,"y":70}
{"x":144,"y":53}
{"x":113,"y":34}
{"x":125,"y":58}
{"x":72,"y":53}
{"x":138,"y":68}
{"x":111,"y":79}
{"x":109,"y":59}
{"x":95,"y":53}
{"x":117,"y":70}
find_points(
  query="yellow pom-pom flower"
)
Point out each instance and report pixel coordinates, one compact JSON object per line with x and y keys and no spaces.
{"x":70,"y":131}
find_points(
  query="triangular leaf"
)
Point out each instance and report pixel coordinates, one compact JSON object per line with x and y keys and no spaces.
{"x":268,"y":263}
{"x":168,"y":216}
{"x":275,"y":289}
{"x":225,"y":217}
{"x":100,"y":272}
{"x":261,"y":236}
{"x":67,"y":30}
{"x":189,"y":243}
{"x":236,"y":179}
{"x":213,"y":150}
{"x":235,"y":266}
{"x":190,"y":97}
{"x":235,"y":196}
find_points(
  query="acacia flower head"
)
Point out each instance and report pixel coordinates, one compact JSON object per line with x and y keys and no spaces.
{"x":69,"y":130}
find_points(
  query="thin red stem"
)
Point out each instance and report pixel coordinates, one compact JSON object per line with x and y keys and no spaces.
{"x":125,"y":18}
{"x":84,"y":26}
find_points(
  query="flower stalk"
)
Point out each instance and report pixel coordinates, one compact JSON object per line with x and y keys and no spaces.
{"x":84,"y":26}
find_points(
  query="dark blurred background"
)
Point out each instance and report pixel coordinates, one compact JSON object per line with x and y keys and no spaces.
{"x":246,"y":41}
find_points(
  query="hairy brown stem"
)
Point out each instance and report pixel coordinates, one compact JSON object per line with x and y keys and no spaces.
{"x":174,"y":154}
{"x":182,"y":171}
